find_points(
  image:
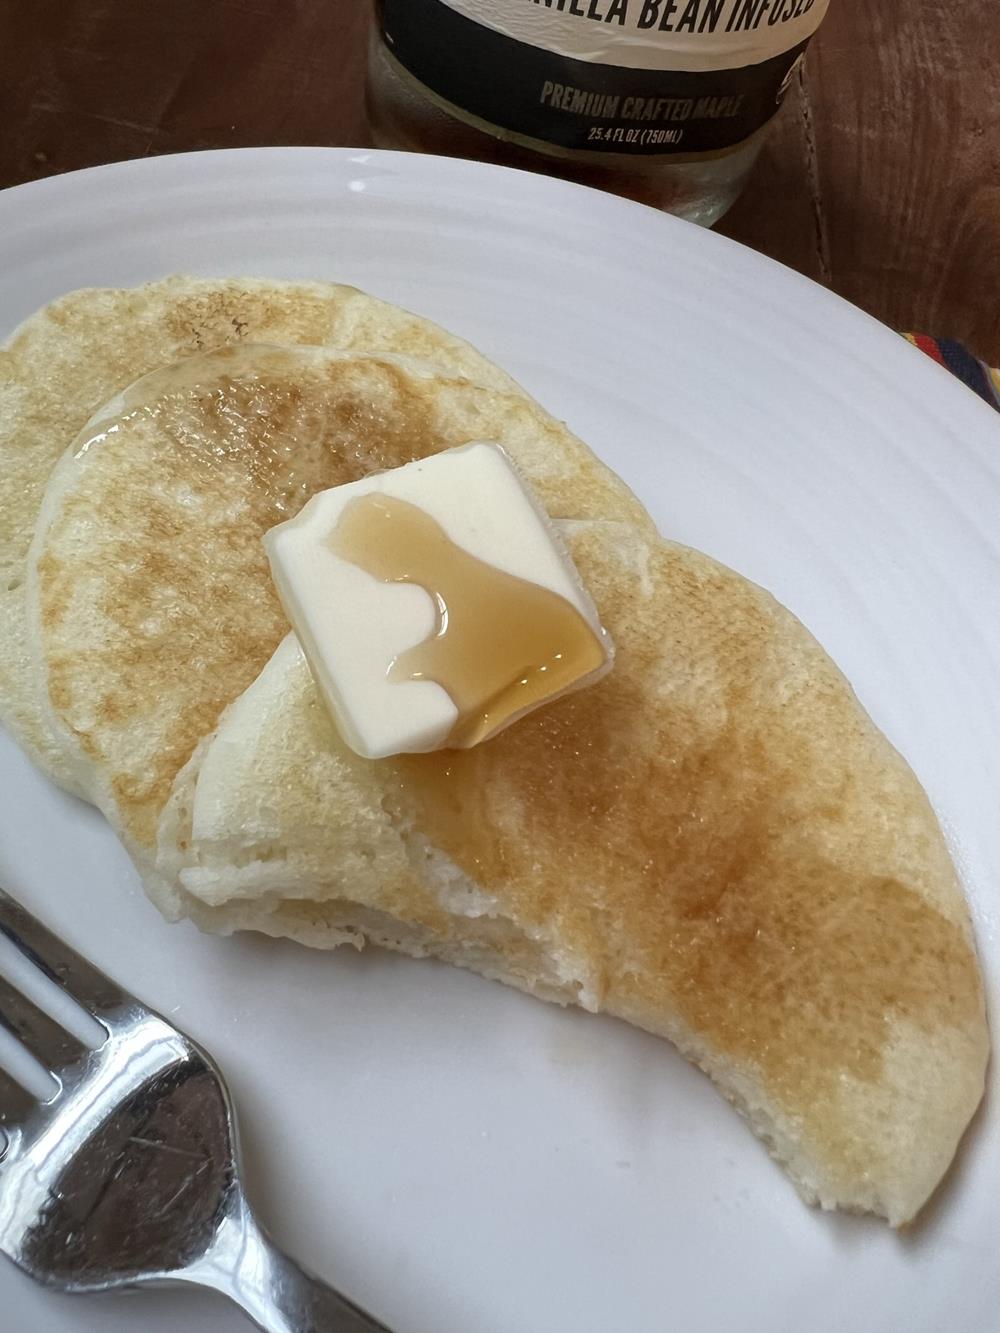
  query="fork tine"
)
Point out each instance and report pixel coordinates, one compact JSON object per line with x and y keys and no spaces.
{"x":15,"y":1104}
{"x":80,"y":979}
{"x":49,"y":1043}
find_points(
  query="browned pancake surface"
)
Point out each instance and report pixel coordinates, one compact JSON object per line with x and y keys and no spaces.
{"x":154,"y":607}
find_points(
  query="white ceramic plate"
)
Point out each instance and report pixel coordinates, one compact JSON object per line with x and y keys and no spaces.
{"x":458,"y":1157}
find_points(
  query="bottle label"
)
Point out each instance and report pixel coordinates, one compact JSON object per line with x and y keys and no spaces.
{"x":612,"y":76}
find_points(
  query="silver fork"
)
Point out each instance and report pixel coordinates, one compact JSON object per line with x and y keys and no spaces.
{"x":129,"y":1173}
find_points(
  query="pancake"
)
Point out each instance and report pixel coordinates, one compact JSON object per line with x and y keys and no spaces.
{"x":69,"y":359}
{"x":150,"y":602}
{"x":714,"y":843}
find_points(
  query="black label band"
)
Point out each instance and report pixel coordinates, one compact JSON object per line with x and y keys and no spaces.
{"x":577,"y":104}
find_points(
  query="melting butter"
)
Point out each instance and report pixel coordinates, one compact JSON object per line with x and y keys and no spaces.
{"x":501,"y":645}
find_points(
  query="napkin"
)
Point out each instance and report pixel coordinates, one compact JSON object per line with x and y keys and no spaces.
{"x":956,"y":357}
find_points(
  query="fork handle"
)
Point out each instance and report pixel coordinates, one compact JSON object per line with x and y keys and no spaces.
{"x":271,"y":1288}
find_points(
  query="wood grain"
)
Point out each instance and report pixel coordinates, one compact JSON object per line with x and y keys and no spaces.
{"x":881,"y":179}
{"x":95,"y":81}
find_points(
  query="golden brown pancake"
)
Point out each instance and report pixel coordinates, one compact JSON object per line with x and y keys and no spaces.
{"x":69,"y":359}
{"x":150,"y":602}
{"x":714,"y":843}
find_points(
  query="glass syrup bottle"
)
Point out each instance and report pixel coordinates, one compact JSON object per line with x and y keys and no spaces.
{"x":666,"y":101}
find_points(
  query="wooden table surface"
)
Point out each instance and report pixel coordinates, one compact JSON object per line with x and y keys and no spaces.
{"x":881,"y":179}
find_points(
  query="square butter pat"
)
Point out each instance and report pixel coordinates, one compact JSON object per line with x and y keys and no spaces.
{"x":435,"y":603}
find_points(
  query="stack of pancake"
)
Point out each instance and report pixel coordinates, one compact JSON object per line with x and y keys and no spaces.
{"x":714,"y":842}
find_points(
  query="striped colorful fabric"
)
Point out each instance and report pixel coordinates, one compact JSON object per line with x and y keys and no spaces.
{"x":957,"y":358}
